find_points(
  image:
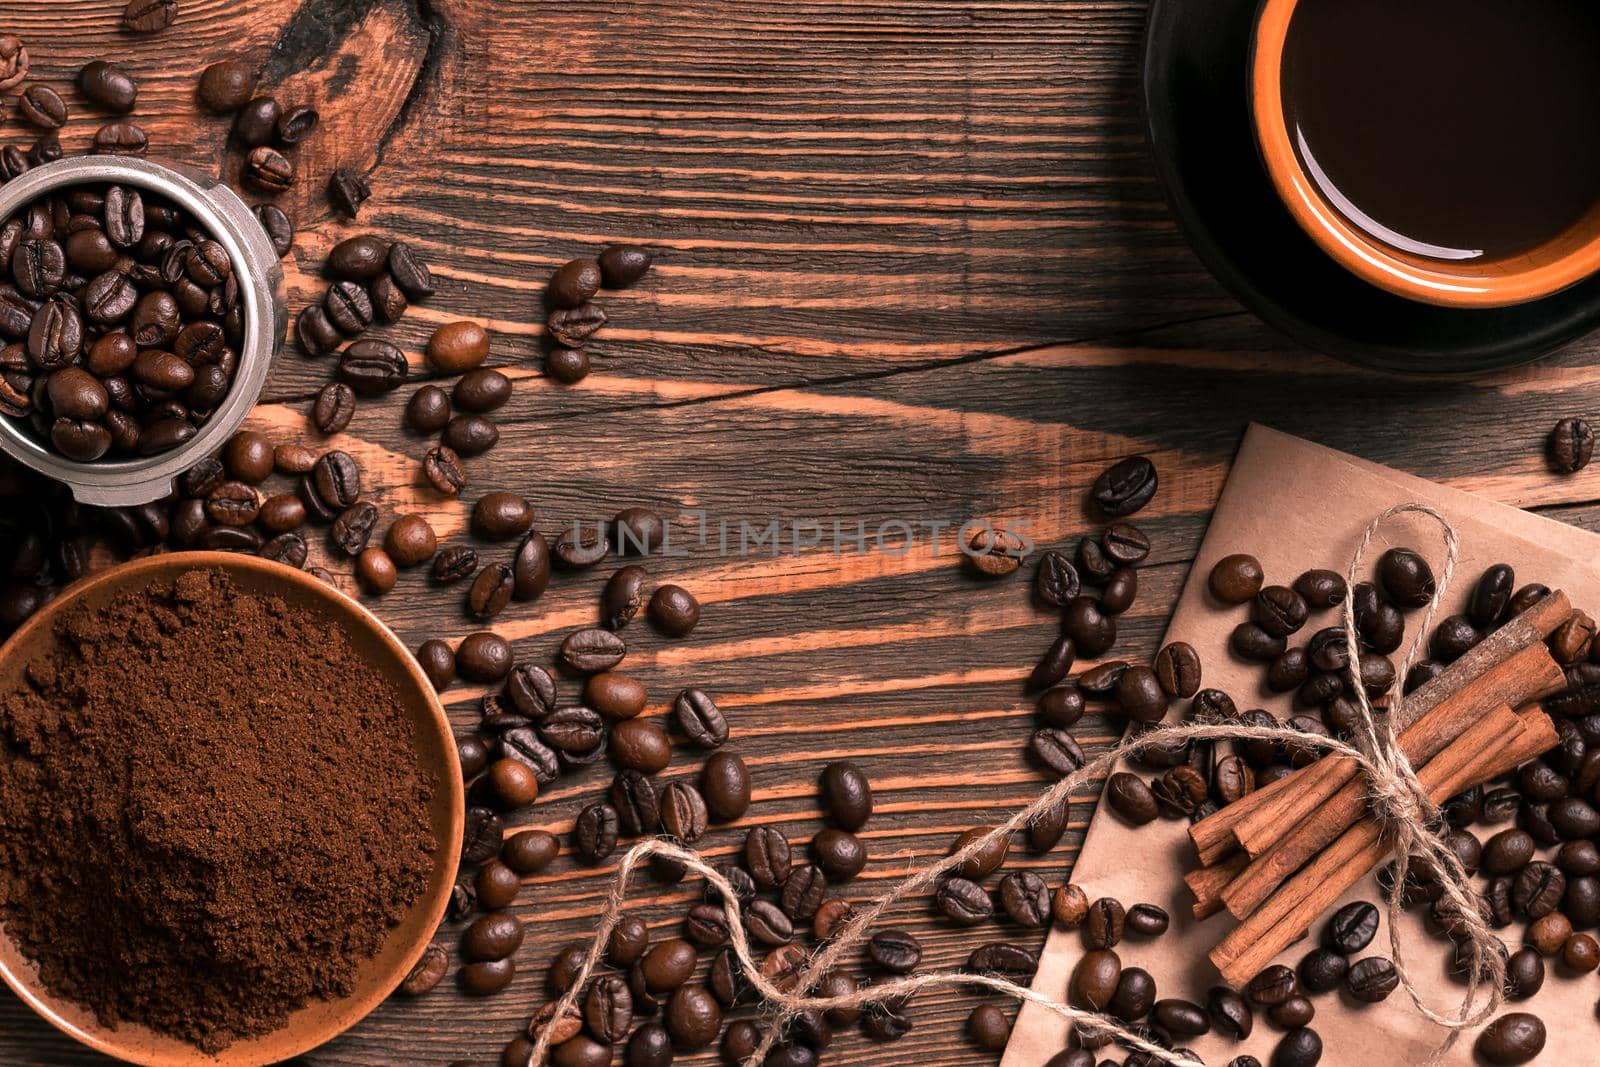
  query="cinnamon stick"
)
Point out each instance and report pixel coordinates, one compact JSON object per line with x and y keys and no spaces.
{"x":1280,"y":850}
{"x":1267,"y":814}
{"x":1207,"y":883}
{"x":1481,"y":753}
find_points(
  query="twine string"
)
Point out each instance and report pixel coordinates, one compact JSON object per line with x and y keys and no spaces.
{"x":1398,"y":801}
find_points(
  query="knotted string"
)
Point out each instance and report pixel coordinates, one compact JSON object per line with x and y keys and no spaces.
{"x":1398,"y":801}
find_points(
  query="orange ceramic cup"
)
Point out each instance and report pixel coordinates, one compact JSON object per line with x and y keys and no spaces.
{"x":1564,"y":260}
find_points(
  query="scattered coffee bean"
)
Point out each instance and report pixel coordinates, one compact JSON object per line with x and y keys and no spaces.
{"x":1514,"y":1038}
{"x":1125,"y":487}
{"x":1570,"y":446}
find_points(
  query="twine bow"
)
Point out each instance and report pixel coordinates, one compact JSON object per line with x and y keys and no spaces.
{"x":1398,"y":800}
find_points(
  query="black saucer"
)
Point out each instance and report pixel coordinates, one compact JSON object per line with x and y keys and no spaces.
{"x":1197,"y":115}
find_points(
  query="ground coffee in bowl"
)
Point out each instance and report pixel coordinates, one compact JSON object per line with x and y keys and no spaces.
{"x":211,"y":810}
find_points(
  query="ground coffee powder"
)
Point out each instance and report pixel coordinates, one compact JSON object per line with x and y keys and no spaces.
{"x":210,"y":810}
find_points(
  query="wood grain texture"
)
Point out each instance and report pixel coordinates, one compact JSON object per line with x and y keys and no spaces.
{"x":914,"y":265}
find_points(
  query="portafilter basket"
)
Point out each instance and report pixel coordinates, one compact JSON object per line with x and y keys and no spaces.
{"x":229,"y":220}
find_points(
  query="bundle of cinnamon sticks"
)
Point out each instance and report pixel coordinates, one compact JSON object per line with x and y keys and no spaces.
{"x":1280,"y":856}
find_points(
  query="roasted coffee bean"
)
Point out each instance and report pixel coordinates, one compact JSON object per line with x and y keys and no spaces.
{"x":334,"y":407}
{"x":388,"y":302}
{"x":1321,"y":589}
{"x":471,"y":435}
{"x":1580,"y":954}
{"x":1540,"y":782}
{"x":41,"y":106}
{"x":1549,"y":933}
{"x":1135,"y":995}
{"x":989,"y":1028}
{"x":803,"y":892}
{"x":1513,"y":1038}
{"x":641,"y":745}
{"x":683,"y":811}
{"x":573,"y":327}
{"x":1405,"y":578}
{"x":483,"y":657}
{"x":13,"y":61}
{"x":767,"y":856}
{"x":1131,"y":798}
{"x":650,"y":1046}
{"x":614,"y":695}
{"x":531,"y":851}
{"x":574,"y":283}
{"x":963,"y":902}
{"x":1351,"y":928}
{"x":1047,"y":826}
{"x":375,"y":571}
{"x":1100,"y":682}
{"x":1570,"y":446}
{"x":296,"y":124}
{"x":1091,"y":630}
{"x":622,"y":596}
{"x":348,"y":307}
{"x":706,"y":925}
{"x":315,"y":332}
{"x":623,"y":265}
{"x":594,"y":835}
{"x":1093,"y":562}
{"x":1274,"y":985}
{"x":482,"y":390}
{"x":455,"y":563}
{"x":1104,"y":923}
{"x":1181,"y":1018}
{"x":256,"y":121}
{"x":767,"y":924}
{"x":989,"y":858}
{"x":1140,"y":695}
{"x":1147,"y":920}
{"x":1249,"y":641}
{"x":1053,"y":666}
{"x":225,"y":86}
{"x":1507,"y":852}
{"x":458,"y":347}
{"x":831,"y":915}
{"x":233,"y":504}
{"x":1002,"y":959}
{"x":1236,"y":579}
{"x":1057,"y":751}
{"x":482,"y":835}
{"x":1177,"y":668}
{"x":427,"y":973}
{"x":410,"y":542}
{"x":353,"y":528}
{"x":592,"y":650}
{"x":446,"y":473}
{"x":1061,"y":706}
{"x":1094,"y":979}
{"x":725,"y":784}
{"x":1056,"y":580}
{"x":267,"y":171}
{"x":1279,"y":610}
{"x":1230,"y":1013}
{"x":286,"y":548}
{"x":1120,"y":591}
{"x":839,"y":853}
{"x":1491,"y":596}
{"x":1026,"y":899}
{"x":428,"y":410}
{"x":669,"y":965}
{"x":372,"y":367}
{"x":567,"y":365}
{"x":490,"y":591}
{"x":1125,"y":487}
{"x":120,"y":139}
{"x":500,"y":516}
{"x":895,"y":951}
{"x":438,"y":662}
{"x":699,"y":718}
{"x":1537,"y":889}
{"x":1372,"y":979}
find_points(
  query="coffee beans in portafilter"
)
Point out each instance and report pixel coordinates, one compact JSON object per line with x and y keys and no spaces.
{"x":121,"y":336}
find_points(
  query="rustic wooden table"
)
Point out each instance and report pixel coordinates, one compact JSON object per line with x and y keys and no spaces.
{"x":913,"y":267}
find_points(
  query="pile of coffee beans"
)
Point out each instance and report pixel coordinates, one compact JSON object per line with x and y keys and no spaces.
{"x":123,"y":321}
{"x":574,"y":317}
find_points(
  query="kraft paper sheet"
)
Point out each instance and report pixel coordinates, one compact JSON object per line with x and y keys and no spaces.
{"x":1297,"y":505}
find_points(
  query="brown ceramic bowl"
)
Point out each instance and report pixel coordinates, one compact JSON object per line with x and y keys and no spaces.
{"x":318,"y":1021}
{"x":1561,"y":262}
